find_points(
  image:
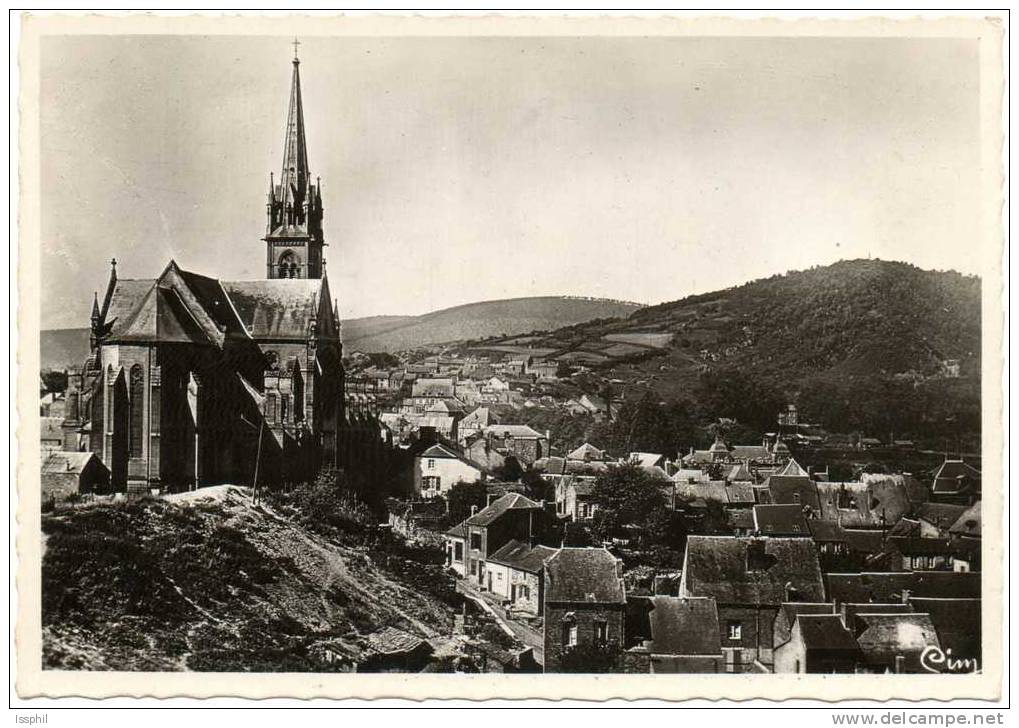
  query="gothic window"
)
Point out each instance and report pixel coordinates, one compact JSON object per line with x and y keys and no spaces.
{"x":270,"y":408}
{"x":289,"y":265}
{"x":136,"y":396}
{"x":284,"y":407}
{"x":298,"y":393}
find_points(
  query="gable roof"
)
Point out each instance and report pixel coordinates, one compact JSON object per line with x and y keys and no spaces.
{"x":498,"y":507}
{"x":969,"y":523}
{"x":942,"y":515}
{"x":793,"y":468}
{"x":584,"y":575}
{"x":681,"y":625}
{"x":646,"y":459}
{"x":516,"y":431}
{"x":740,"y":493}
{"x":873,"y":504}
{"x":521,"y":556}
{"x":438,"y":450}
{"x":884,"y":637}
{"x":825,"y":632}
{"x":787,"y":614}
{"x":739,"y":473}
{"x":717,"y":566}
{"x":60,"y":461}
{"x":587,"y":451}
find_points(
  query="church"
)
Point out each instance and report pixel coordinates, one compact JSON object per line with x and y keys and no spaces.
{"x":193,"y":381}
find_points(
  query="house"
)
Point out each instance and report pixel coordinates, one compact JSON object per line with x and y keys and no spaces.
{"x":787,"y":614}
{"x":476,"y":421}
{"x":875,"y":504}
{"x":845,"y":548}
{"x":520,"y":441}
{"x":740,"y":474}
{"x":577,"y":503}
{"x":479,"y":450}
{"x":439,"y":468}
{"x":667,"y":634}
{"x":52,"y":404}
{"x":67,"y":473}
{"x":51,"y":433}
{"x":780,"y":520}
{"x":547,"y":371}
{"x":595,"y":405}
{"x":441,"y":387}
{"x":935,"y":519}
{"x":967,"y":526}
{"x":468,"y":544}
{"x":818,"y":643}
{"x":894,"y":642}
{"x":956,"y":482}
{"x":393,"y":650}
{"x":690,"y":475}
{"x":797,"y":490}
{"x":891,"y":587}
{"x":647,"y":459}
{"x":936,"y":554}
{"x":495,"y":385}
{"x":586,"y":453}
{"x":585,"y":606}
{"x":959,"y":628}
{"x":750,"y":578}
{"x":518,"y":576}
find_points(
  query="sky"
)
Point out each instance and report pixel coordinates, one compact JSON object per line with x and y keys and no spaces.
{"x":465,"y":169}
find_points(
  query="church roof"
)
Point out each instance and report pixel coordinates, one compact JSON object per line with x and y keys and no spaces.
{"x":280,"y":308}
{"x":179,"y":306}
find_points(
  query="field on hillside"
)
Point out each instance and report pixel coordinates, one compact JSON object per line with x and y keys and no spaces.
{"x":206,"y":581}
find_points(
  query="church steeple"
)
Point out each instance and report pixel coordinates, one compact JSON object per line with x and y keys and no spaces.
{"x":294,"y":230}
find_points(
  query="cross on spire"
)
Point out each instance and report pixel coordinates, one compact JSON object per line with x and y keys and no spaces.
{"x":295,"y":44}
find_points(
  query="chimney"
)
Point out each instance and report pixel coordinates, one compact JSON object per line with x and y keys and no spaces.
{"x":474,"y":510}
{"x":900,"y":663}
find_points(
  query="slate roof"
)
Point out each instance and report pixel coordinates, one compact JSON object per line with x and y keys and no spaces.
{"x":851,"y":610}
{"x":584,"y":575}
{"x":787,"y":614}
{"x":280,"y":308}
{"x":825,"y":632}
{"x":739,"y":473}
{"x":740,"y":493}
{"x":517,"y":431}
{"x":871,"y":505}
{"x":793,"y":489}
{"x":719,"y":567}
{"x":957,"y":622}
{"x":952,"y":475}
{"x":711,"y":491}
{"x":686,"y":475}
{"x":683,"y":626}
{"x":780,"y":520}
{"x":59,"y":461}
{"x":942,"y":515}
{"x":792,"y":468}
{"x":521,"y":556}
{"x":749,"y":452}
{"x":883,"y":637}
{"x":587,"y":451}
{"x":391,"y":641}
{"x":969,"y":523}
{"x":911,"y":546}
{"x":886,"y":587}
{"x":508,"y":502}
{"x":646,"y":459}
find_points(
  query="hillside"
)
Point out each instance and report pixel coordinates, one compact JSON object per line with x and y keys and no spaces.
{"x":881,"y":335}
{"x":62,"y":348}
{"x":205,"y":581}
{"x":513,"y":316}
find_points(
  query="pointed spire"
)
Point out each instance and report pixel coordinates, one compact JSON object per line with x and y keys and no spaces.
{"x":95,"y":306}
{"x":294,"y":177}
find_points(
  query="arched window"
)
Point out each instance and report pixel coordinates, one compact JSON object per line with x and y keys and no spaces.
{"x":270,"y":408}
{"x":136,"y":404}
{"x":288,"y":265}
{"x":284,"y":407}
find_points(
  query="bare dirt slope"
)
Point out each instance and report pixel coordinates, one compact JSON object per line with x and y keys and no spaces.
{"x":206,"y":581}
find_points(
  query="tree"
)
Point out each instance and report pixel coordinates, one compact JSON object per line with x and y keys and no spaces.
{"x":462,"y":496}
{"x":538,"y":489}
{"x":54,"y":381}
{"x":626,"y":496}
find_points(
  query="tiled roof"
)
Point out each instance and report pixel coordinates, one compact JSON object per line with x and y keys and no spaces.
{"x":587,"y":451}
{"x":793,"y":468}
{"x":793,"y":490}
{"x":711,"y":491}
{"x":942,"y":515}
{"x":722,"y":567}
{"x":584,"y":575}
{"x":60,"y":461}
{"x":874,"y":504}
{"x":518,"y":431}
{"x":953,"y":476}
{"x":523,"y":557}
{"x":788,"y":612}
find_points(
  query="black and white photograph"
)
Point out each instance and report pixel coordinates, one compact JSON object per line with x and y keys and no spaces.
{"x":499,"y":354}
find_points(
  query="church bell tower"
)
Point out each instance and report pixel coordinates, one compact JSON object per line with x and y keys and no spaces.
{"x":293,"y":235}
